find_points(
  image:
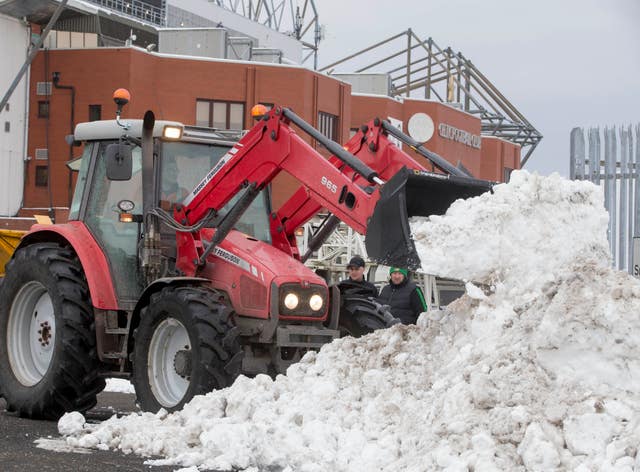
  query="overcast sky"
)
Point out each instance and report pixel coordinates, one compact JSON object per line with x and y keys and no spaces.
{"x":561,"y":63}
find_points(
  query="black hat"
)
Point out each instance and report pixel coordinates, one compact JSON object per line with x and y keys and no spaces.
{"x":356,"y":261}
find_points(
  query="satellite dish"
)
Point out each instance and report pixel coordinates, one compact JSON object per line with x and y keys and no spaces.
{"x":421,"y":127}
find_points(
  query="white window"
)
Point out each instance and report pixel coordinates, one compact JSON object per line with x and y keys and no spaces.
{"x":220,"y":114}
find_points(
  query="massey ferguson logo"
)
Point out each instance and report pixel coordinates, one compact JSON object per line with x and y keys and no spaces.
{"x":461,"y":136}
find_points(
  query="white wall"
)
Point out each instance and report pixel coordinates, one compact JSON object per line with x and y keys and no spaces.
{"x":13,"y":51}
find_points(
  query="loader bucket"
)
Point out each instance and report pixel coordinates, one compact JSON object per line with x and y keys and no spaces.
{"x":412,"y":193}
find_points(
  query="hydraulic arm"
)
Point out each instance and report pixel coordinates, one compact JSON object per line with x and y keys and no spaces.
{"x":349,"y":185}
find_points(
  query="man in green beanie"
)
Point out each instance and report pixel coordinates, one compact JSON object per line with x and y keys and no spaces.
{"x":404,"y":297}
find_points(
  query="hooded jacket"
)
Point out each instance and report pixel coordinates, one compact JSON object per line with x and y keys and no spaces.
{"x":405,"y":300}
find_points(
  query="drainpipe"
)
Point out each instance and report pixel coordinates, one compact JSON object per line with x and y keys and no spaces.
{"x":56,"y":84}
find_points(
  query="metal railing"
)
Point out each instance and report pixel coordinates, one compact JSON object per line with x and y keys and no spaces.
{"x":617,"y":170}
{"x":137,"y":9}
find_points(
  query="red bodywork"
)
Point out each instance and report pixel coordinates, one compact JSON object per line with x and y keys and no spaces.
{"x":245,"y":269}
{"x":241,"y":266}
{"x":371,"y":145}
{"x":90,"y":254}
{"x":271,"y":147}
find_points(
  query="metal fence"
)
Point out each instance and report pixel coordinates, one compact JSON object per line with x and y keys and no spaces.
{"x":619,"y":174}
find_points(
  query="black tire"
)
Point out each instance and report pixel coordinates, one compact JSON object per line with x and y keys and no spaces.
{"x":45,"y":282}
{"x":360,"y":316}
{"x":209,"y":357}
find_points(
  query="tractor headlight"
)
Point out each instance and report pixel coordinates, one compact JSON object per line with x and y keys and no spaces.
{"x":172,"y":132}
{"x":291,"y":301}
{"x":302,"y":300}
{"x":316,"y":302}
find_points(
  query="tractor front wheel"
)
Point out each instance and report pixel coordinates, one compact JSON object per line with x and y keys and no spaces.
{"x":48,"y":360}
{"x":360,"y":316}
{"x":185,"y":345}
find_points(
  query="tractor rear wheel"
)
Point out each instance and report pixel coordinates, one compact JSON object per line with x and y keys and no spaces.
{"x":185,"y":345}
{"x":48,"y":364}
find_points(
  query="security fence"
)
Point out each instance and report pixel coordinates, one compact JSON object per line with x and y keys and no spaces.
{"x":618,"y":173}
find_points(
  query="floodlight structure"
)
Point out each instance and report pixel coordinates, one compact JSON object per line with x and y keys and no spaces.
{"x":418,"y":67}
{"x":297,"y":18}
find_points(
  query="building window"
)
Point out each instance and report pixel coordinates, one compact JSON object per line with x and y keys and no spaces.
{"x":95,"y":112}
{"x":7,"y":126}
{"x":7,"y":107}
{"x":43,"y":109}
{"x":42,"y":176}
{"x":328,"y":125}
{"x":221,"y":115}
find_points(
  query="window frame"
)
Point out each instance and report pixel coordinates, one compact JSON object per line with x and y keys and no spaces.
{"x":38,"y":182}
{"x":227,"y":103}
{"x":41,"y":104}
{"x":94,"y":107}
{"x":328,"y":125}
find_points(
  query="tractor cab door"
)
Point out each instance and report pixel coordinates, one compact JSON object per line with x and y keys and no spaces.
{"x":119,"y":241}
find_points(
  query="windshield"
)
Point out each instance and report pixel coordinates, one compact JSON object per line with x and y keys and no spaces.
{"x":184,"y":165}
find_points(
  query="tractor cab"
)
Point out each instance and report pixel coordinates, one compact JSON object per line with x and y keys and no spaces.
{"x":109,"y":191}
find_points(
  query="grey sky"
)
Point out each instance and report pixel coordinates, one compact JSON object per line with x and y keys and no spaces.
{"x":562,"y":63}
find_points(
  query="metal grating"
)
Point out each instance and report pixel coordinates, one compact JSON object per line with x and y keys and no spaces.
{"x":43,"y":88}
{"x":617,"y":169}
{"x":42,"y":154}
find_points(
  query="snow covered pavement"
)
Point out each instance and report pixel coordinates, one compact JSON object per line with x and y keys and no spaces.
{"x":536,"y":368}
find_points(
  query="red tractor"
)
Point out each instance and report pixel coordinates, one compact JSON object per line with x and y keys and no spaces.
{"x":174,"y":270}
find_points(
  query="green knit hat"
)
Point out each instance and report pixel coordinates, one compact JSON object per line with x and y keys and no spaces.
{"x":405,"y":272}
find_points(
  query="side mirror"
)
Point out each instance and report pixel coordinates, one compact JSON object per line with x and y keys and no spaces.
{"x":119,"y":161}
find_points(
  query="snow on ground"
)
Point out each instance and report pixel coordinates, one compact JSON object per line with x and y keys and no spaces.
{"x":537,"y":368}
{"x":119,"y":386}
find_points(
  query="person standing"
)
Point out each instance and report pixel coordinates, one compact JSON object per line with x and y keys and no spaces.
{"x":356,"y":280}
{"x":404,"y":297}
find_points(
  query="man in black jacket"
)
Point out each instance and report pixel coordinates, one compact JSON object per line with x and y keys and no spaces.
{"x":404,"y":297}
{"x":356,"y":281}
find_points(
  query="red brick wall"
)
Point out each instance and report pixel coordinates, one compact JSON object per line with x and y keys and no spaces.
{"x":170,"y":87}
{"x":498,"y":155}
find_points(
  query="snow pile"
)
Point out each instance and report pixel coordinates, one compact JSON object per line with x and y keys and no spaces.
{"x":537,"y":368}
{"x":116,"y":385}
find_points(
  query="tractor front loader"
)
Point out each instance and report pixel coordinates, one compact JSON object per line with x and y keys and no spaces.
{"x":173,"y":269}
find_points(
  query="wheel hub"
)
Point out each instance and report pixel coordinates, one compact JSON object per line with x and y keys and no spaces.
{"x":31,"y":333}
{"x":169,"y":362}
{"x":182,"y":363}
{"x":45,"y":333}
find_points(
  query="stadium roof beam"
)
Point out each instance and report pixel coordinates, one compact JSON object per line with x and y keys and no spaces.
{"x":413,"y":64}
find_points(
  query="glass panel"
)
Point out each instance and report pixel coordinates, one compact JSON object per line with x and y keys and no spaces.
{"x":236,"y":116}
{"x":220,"y":115}
{"x":255,"y":221}
{"x":202,"y":113}
{"x":184,"y":165}
{"x":82,"y":179}
{"x":118,"y":240}
{"x":42,"y":176}
{"x":95,"y":112}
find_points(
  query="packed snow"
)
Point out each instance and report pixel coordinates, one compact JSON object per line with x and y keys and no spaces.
{"x":115,"y":385}
{"x":536,"y":368}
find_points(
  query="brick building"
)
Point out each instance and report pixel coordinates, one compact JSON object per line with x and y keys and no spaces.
{"x":75,"y":85}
